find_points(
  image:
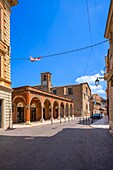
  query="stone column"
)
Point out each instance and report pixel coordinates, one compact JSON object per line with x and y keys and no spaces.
{"x":28,"y":114}
{"x":28,"y":108}
{"x":65,"y":113}
{"x":69,"y":113}
{"x":73,"y":112}
{"x":52,"y":119}
{"x":42,"y":119}
{"x":59,"y":113}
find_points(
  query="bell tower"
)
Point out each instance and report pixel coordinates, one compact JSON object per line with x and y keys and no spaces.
{"x":5,"y":80}
{"x":46,"y":81}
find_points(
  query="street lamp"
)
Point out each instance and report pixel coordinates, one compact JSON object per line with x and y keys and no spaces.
{"x":97,"y":80}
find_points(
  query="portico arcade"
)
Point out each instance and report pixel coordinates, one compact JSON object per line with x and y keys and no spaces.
{"x":30,"y":104}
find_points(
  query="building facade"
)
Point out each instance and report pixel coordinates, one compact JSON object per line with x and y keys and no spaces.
{"x":109,"y":65}
{"x":30,"y":104}
{"x":79,"y":94}
{"x":5,"y":81}
{"x":98,"y":104}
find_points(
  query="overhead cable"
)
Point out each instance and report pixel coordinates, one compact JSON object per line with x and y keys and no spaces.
{"x":66,"y":52}
{"x":89,"y":24}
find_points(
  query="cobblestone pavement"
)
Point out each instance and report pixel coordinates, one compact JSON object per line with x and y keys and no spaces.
{"x":69,"y":146}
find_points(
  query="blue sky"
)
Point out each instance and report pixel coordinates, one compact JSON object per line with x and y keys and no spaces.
{"x":48,"y":27}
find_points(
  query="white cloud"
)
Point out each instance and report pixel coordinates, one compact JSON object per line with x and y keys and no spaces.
{"x":100,"y":89}
{"x":102,"y":71}
{"x":88,"y":79}
{"x":97,"y":89}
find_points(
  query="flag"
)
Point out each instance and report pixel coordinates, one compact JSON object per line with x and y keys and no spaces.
{"x":34,"y":59}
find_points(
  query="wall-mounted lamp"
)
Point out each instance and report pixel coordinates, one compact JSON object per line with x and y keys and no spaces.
{"x":27,"y":106}
{"x":97,"y":80}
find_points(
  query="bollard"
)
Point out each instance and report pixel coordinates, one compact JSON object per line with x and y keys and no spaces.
{"x":83,"y":120}
{"x":65,"y":119}
{"x":68,"y":118}
{"x":86,"y":119}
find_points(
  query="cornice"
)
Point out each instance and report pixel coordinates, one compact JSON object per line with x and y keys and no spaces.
{"x":40,"y":92}
{"x":4,"y":88}
{"x":109,"y":21}
{"x":7,"y":81}
{"x":13,"y":2}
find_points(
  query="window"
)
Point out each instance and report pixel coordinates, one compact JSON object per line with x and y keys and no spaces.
{"x":44,"y":77}
{"x":54,"y":91}
{"x":70,"y":91}
{"x":86,"y":106}
{"x":86,"y":91}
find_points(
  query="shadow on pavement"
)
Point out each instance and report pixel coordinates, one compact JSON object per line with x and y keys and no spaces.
{"x":87,"y":121}
{"x":70,"y":149}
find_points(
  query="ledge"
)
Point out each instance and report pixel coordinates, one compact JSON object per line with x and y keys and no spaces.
{"x":110,"y":74}
{"x":105,"y":76}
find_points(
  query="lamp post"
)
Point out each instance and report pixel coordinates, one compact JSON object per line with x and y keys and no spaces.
{"x":97,"y":80}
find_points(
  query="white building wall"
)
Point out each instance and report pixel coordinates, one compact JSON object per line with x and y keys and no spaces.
{"x":6,"y":97}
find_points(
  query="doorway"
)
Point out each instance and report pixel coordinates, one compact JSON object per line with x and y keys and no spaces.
{"x":44,"y":114}
{"x":33,"y":114}
{"x":20,"y":114}
{"x":0,"y":113}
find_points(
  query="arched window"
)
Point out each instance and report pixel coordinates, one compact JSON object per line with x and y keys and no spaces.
{"x":44,"y":77}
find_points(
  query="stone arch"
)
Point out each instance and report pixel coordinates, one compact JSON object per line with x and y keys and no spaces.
{"x":18,"y":109}
{"x":38,"y":97}
{"x":47,"y":109}
{"x":55,"y":109}
{"x":67,"y":109}
{"x":35,"y":109}
{"x":19,"y":96}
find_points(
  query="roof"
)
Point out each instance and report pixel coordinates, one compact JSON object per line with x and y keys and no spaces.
{"x":29,"y":88}
{"x":72,"y":85}
{"x":46,"y":73}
